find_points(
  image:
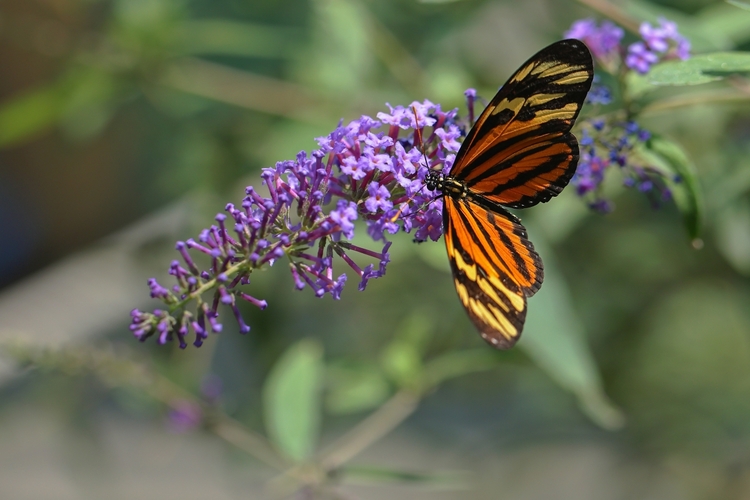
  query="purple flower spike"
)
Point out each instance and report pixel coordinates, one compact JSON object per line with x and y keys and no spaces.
{"x":308,"y":215}
{"x":607,"y":144}
{"x":659,"y":43}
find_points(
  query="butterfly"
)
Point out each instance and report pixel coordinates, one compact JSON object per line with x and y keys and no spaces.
{"x":519,"y":152}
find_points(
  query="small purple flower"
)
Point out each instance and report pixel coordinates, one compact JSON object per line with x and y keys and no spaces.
{"x":602,"y":206}
{"x":378,"y":142}
{"x":212,"y":388}
{"x":603,"y":41}
{"x":399,"y":117}
{"x":657,"y":38}
{"x":379,"y":198}
{"x":660,"y":42}
{"x":599,"y":93}
{"x":640,"y":58}
{"x":377,"y":228}
{"x":430,"y":225}
{"x":381,"y":162}
{"x":665,"y":36}
{"x":448,"y":138}
{"x":356,"y":168}
{"x":344,"y":216}
{"x":416,"y":115}
{"x":184,"y":416}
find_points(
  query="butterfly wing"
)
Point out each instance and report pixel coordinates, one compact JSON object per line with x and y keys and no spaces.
{"x":494,"y":267}
{"x":520,"y":151}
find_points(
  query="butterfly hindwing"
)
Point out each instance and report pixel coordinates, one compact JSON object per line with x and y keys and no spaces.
{"x":494,"y":267}
{"x":520,"y":151}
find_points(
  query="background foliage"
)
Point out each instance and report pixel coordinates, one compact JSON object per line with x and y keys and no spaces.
{"x":127,"y":124}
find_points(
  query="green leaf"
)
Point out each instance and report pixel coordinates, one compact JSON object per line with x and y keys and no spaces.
{"x":82,"y":101}
{"x":29,"y":114}
{"x":737,"y":3}
{"x":699,"y":69}
{"x":554,"y":338}
{"x":401,"y":360}
{"x":340,"y":53}
{"x":291,"y":399}
{"x":225,"y":37}
{"x":636,"y":85}
{"x":90,"y":101}
{"x":457,"y":363}
{"x":355,"y":387}
{"x":686,"y":191}
{"x":733,"y":235}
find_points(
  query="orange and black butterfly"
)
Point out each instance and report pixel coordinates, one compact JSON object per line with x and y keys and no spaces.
{"x":520,"y":152}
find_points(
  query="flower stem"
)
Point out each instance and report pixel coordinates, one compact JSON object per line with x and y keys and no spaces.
{"x":371,"y":429}
{"x":613,"y":12}
{"x":208,"y":285}
{"x":712,"y":97}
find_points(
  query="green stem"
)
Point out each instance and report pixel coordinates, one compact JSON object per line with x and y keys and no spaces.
{"x":208,"y":285}
{"x":695,"y":99}
{"x":613,"y":12}
{"x":371,"y":429}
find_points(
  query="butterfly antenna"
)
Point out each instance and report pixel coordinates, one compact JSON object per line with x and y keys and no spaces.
{"x":418,"y":132}
{"x":420,"y":145}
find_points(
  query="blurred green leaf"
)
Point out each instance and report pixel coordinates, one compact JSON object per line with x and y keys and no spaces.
{"x":338,"y":57}
{"x":355,"y":387}
{"x":699,"y":69}
{"x":733,"y":235}
{"x":402,"y":358}
{"x":291,"y":399}
{"x":737,"y":3}
{"x":637,"y":85}
{"x":379,"y":475}
{"x":82,"y":101}
{"x":226,"y":37}
{"x":554,"y":339}
{"x":90,"y":102}
{"x":433,"y":253}
{"x":557,"y":220}
{"x":685,"y":188}
{"x":29,"y":114}
{"x":724,"y":24}
{"x":402,"y":363}
{"x":457,"y":363}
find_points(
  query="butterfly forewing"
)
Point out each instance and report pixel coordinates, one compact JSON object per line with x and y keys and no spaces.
{"x":520,"y":151}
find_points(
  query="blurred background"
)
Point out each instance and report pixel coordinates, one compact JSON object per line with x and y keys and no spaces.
{"x":128,"y":124}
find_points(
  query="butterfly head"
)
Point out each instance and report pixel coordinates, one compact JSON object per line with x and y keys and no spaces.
{"x":445,"y":184}
{"x":434,"y":180}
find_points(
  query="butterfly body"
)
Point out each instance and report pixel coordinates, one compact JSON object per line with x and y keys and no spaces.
{"x":520,"y":152}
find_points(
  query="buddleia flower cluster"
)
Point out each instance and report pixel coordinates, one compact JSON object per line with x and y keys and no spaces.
{"x":606,"y":145}
{"x":657,"y":43}
{"x":369,"y":169}
{"x":610,"y":143}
